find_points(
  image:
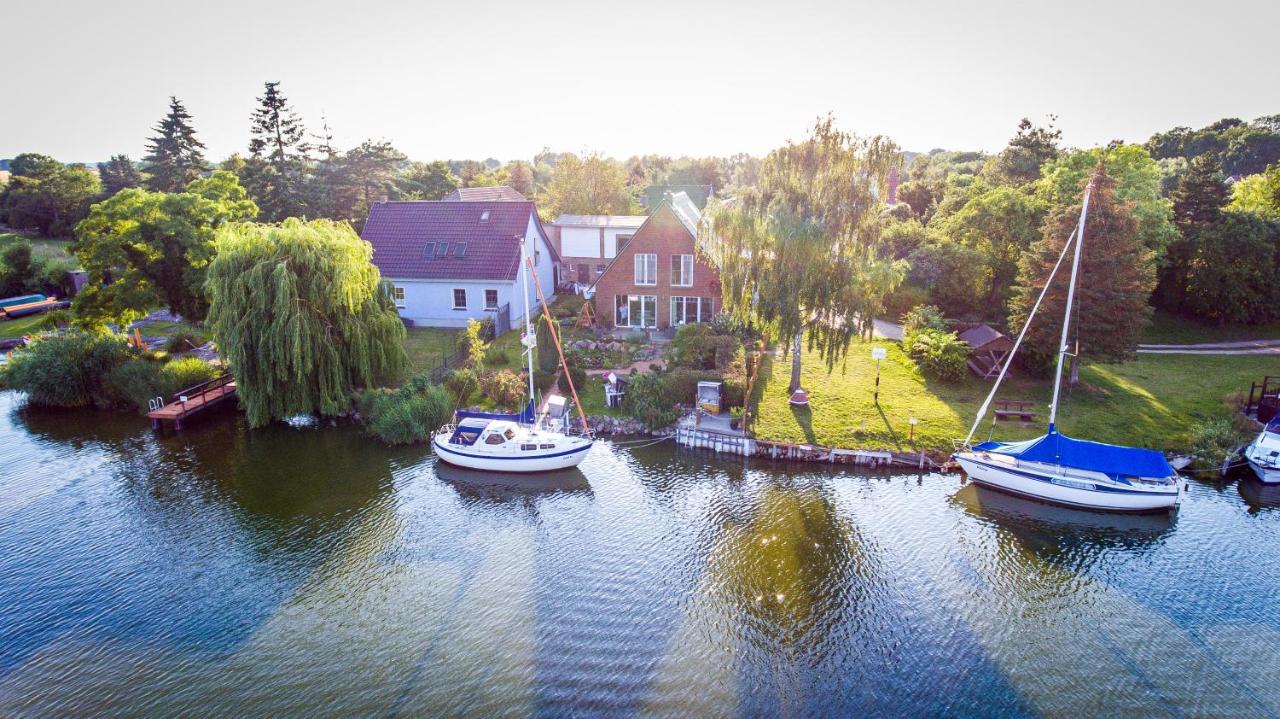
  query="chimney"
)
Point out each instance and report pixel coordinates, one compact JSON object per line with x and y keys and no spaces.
{"x":893,"y":186}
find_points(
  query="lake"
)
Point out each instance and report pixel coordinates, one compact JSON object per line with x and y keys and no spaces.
{"x":310,"y":572}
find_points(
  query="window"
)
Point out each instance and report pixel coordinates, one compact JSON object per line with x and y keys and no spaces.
{"x":685,"y":310}
{"x":428,"y":250}
{"x":706,"y":311}
{"x":459,"y":299}
{"x":494,"y":438}
{"x":682,"y":270}
{"x":484,"y":216}
{"x":620,"y":242}
{"x":646,"y":269}
{"x":528,"y":447}
{"x":600,"y":270}
{"x":442,"y":249}
{"x":491,"y":299}
{"x":397,"y":293}
{"x":460,"y":249}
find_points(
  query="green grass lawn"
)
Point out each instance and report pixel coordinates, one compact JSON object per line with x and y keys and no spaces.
{"x":1154,"y":401}
{"x":10,"y":329}
{"x":1175,"y":330}
{"x":40,"y":247}
{"x":427,"y":347}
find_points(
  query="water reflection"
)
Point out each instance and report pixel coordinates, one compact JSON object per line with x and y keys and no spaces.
{"x":1258,"y":495}
{"x":506,"y":487}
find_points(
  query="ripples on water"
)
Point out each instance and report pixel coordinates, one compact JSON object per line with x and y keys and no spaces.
{"x":308,"y":572}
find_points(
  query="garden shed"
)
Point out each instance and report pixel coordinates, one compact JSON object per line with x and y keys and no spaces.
{"x":989,"y":348}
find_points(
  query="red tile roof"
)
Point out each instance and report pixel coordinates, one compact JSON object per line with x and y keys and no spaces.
{"x":476,"y":249}
{"x":500,"y":193}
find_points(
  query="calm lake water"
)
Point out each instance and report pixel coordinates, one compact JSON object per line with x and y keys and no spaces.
{"x":311,"y":573}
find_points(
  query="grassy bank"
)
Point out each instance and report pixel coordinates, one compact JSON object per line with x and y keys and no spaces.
{"x":40,"y":246}
{"x":1154,"y":401}
{"x":1173,"y":330}
{"x":9,"y":329}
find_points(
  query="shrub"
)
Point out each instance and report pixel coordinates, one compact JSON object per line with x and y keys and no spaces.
{"x":188,"y":371}
{"x":471,"y":345}
{"x":567,"y":306}
{"x":405,"y":416}
{"x":504,"y":387}
{"x":461,"y":383}
{"x":133,"y":383}
{"x":183,"y":340}
{"x":542,"y":380}
{"x":923,"y":317}
{"x":497,"y":358}
{"x":579,"y":377}
{"x":699,"y":346}
{"x":1212,"y":440}
{"x":903,"y":299}
{"x":939,"y":354}
{"x":648,"y":400}
{"x":67,"y":370}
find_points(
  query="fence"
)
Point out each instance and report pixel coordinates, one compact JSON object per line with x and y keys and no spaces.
{"x":1264,"y":399}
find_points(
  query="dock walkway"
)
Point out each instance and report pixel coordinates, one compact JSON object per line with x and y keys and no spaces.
{"x":192,"y":400}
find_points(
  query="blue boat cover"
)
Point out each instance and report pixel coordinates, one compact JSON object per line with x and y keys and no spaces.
{"x":1110,"y":459}
{"x":525,"y":417}
{"x":1274,"y":425}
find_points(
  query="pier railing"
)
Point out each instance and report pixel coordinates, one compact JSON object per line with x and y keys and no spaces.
{"x":200,"y":390}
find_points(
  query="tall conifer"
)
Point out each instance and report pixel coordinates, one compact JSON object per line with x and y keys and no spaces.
{"x":174,"y":156}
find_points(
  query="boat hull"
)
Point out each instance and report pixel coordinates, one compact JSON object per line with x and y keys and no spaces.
{"x":532,"y":461}
{"x":1266,"y":475}
{"x":1033,"y":482}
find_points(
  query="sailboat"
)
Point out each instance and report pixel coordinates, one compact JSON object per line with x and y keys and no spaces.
{"x":1057,"y":468}
{"x":521,"y":441}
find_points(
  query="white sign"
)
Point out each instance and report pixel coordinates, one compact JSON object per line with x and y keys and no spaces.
{"x":879,"y":353}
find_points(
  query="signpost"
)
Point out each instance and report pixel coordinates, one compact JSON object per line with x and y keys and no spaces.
{"x":878,"y":353}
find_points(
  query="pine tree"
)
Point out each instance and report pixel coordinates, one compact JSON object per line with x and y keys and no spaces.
{"x":300,"y":313}
{"x":1197,"y":204}
{"x":276,"y":173}
{"x":174,"y":156}
{"x":118,"y":173}
{"x":277,"y":132}
{"x":1115,"y":279}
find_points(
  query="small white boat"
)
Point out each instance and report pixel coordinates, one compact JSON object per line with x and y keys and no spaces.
{"x":499,"y":445}
{"x":1264,"y":454}
{"x":518,"y":442}
{"x":1057,"y":468}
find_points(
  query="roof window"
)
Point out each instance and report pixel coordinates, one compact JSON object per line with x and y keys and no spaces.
{"x":442,"y":249}
{"x":459,"y":249}
{"x":428,"y":250}
{"x":484,"y":216}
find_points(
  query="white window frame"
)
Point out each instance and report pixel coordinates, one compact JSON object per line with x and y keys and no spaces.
{"x":397,"y":294}
{"x":686,"y":265}
{"x":456,"y":290}
{"x":646,"y":270}
{"x":488,"y":306}
{"x":637,"y":320}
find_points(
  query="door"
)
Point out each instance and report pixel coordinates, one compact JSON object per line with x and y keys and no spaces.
{"x":584,"y":273}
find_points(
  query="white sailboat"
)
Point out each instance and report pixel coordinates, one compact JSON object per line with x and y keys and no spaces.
{"x":1263,"y":454}
{"x":1057,"y":468}
{"x":515,"y":442}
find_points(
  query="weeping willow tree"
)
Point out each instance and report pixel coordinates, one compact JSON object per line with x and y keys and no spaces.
{"x":302,"y":316}
{"x":799,"y":253}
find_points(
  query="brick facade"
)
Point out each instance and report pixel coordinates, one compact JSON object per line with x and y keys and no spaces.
{"x":665,"y":236}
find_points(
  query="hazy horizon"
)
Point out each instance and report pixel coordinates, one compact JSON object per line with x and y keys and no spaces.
{"x":505,"y":80}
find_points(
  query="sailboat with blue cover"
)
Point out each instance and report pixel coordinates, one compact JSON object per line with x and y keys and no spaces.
{"x":1057,"y":468}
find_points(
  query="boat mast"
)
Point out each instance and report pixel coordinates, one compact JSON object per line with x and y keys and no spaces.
{"x":530,"y":340}
{"x":1066,"y":317}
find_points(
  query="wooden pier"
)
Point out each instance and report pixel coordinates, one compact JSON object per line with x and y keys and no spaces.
{"x":191,"y":400}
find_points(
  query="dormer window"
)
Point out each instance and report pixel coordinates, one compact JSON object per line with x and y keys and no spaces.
{"x":484,"y":216}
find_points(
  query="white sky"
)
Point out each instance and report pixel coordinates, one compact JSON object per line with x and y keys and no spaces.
{"x":467,"y":79}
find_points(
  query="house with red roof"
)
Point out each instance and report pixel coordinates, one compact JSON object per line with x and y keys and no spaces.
{"x":453,"y":261}
{"x":658,"y":280}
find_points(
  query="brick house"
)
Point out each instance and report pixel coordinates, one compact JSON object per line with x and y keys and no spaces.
{"x":658,"y":280}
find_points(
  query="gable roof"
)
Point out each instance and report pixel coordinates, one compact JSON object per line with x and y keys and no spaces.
{"x":686,"y":214}
{"x":499,"y":193}
{"x":481,"y":239}
{"x":980,"y":335}
{"x":698,"y":194}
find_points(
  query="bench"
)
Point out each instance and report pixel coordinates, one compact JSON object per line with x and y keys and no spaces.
{"x":1009,"y":410}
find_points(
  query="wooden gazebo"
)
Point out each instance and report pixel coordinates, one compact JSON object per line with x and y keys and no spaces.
{"x":990,"y":348}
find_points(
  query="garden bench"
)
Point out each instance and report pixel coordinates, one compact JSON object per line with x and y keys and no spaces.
{"x":1009,"y":410}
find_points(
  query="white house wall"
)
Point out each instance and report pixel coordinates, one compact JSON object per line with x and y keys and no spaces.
{"x":580,"y":241}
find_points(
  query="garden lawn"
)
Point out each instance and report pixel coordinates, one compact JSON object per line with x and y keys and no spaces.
{"x":1170,"y":329}
{"x":10,"y":329}
{"x":40,"y":247}
{"x":1155,"y":401}
{"x":427,"y":347}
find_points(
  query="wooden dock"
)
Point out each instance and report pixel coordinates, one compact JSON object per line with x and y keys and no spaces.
{"x":191,"y":401}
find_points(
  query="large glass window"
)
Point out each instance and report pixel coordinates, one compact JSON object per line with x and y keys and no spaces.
{"x":459,"y":299}
{"x":682,"y":270}
{"x":706,"y":311}
{"x":635,"y":311}
{"x":685,"y":310}
{"x":646,"y":269}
